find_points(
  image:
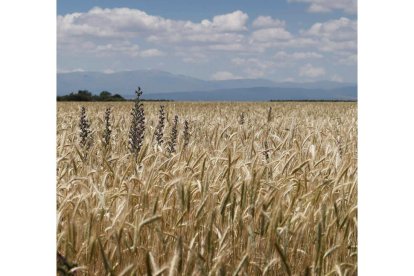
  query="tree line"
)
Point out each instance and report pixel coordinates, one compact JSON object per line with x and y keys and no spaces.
{"x":104,"y":96}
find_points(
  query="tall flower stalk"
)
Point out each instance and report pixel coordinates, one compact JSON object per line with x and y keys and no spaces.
{"x":173,"y":138}
{"x":159,"y":131}
{"x":186,"y":133}
{"x":108,"y":128}
{"x":85,"y":130}
{"x":137,"y":129}
{"x":241,"y":118}
{"x":269,"y":115}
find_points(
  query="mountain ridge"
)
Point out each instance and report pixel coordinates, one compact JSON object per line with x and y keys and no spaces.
{"x":347,"y":93}
{"x":156,"y":82}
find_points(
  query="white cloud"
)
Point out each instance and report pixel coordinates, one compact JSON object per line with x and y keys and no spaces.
{"x":125,"y":49}
{"x":254,"y":72}
{"x":234,"y":21}
{"x":122,"y":48}
{"x":194,"y":56}
{"x":255,"y":67}
{"x":349,"y":60}
{"x":118,"y":37}
{"x":290,"y":79}
{"x":311,"y":71}
{"x":267,"y":21}
{"x":283,"y":56}
{"x":334,"y":35}
{"x":70,"y":70}
{"x":271,"y":34}
{"x":337,"y":78}
{"x":228,"y":47}
{"x":224,"y":75}
{"x":316,"y":6}
{"x":152,"y":53}
{"x":238,"y":61}
{"x":129,"y":23}
{"x":252,"y":62}
{"x":118,"y":29}
{"x":338,"y":29}
{"x":108,"y":71}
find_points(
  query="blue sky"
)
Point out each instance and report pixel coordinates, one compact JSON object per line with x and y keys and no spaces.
{"x":284,"y":40}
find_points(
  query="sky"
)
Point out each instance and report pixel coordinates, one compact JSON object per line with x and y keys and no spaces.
{"x":279,"y":40}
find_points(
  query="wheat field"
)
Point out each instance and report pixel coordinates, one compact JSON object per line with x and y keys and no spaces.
{"x":258,"y":189}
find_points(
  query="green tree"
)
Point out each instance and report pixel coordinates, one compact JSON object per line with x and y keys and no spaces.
{"x":105,"y":95}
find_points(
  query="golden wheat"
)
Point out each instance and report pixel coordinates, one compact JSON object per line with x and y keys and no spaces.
{"x":276,"y":195}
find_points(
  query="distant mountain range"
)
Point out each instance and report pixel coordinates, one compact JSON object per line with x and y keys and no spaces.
{"x":159,"y":84}
{"x":260,"y":94}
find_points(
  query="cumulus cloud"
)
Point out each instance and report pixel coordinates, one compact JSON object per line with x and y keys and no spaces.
{"x":224,"y":75}
{"x":108,"y":71}
{"x":337,"y":29}
{"x":334,"y":35}
{"x":192,"y":57}
{"x":118,"y":36}
{"x":152,"y":53}
{"x":270,"y":34}
{"x":311,"y":71}
{"x":349,"y":60}
{"x":254,"y":72}
{"x":122,"y":48}
{"x":337,"y":78}
{"x":268,"y":21}
{"x":283,"y":56}
{"x":316,"y":6}
{"x":252,"y":62}
{"x":255,"y":67}
{"x":234,"y":21}
{"x":227,"y":47}
{"x":131,"y":23}
{"x":70,"y":70}
{"x":100,"y":28}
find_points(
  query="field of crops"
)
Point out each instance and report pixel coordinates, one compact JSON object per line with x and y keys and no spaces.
{"x":246,"y":189}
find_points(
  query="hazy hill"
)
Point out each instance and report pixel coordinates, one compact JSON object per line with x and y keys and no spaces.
{"x":260,"y":94}
{"x":157,"y":83}
{"x":152,"y":81}
{"x":126,"y":82}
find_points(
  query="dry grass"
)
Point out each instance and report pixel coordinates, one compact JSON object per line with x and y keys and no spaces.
{"x":276,"y":195}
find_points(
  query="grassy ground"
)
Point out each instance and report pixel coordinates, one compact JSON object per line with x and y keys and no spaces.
{"x":273,"y":195}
